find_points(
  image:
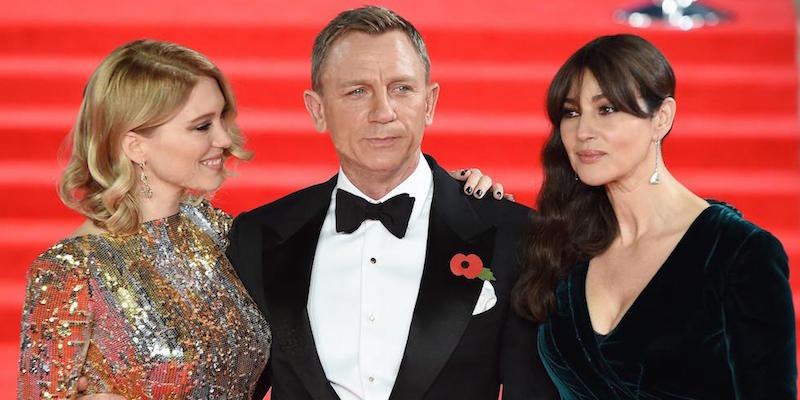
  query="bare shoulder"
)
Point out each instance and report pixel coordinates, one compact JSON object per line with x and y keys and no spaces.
{"x":88,"y":228}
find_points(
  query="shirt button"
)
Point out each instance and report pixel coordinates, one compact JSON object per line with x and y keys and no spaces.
{"x":371,"y":380}
{"x":373,"y":260}
{"x":372,"y":317}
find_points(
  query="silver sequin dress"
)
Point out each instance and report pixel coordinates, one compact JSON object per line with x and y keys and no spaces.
{"x":156,"y":315}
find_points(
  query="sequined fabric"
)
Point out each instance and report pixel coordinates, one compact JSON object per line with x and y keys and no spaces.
{"x":160,"y":314}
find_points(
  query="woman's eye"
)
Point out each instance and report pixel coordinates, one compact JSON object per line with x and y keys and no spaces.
{"x":569,"y":113}
{"x":607,"y":109}
{"x":204,"y":127}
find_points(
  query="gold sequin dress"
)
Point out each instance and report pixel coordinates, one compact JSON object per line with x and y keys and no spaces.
{"x":160,"y":314}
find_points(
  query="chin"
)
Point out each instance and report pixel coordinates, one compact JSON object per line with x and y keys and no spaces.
{"x":378,"y":161}
{"x":593,"y":180}
{"x":207,"y":187}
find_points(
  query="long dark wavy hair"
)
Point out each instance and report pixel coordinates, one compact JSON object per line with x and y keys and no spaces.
{"x":575,"y":221}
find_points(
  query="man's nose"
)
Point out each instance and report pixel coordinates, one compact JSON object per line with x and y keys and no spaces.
{"x":382,"y":108}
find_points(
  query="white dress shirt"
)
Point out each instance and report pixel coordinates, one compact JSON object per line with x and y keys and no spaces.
{"x":363,"y":290}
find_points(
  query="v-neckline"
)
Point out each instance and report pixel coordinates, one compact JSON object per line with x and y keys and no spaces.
{"x":645,"y":289}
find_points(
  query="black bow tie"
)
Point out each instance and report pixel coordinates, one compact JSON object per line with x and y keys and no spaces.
{"x":352,"y":210}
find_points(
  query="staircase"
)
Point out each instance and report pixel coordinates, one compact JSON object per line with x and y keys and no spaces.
{"x":735,"y":138}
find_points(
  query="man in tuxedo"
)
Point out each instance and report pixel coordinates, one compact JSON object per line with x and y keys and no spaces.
{"x":385,"y":282}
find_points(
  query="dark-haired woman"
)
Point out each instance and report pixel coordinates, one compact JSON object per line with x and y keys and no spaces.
{"x":643,"y":289}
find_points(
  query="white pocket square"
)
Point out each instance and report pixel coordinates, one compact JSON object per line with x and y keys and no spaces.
{"x":486,"y":300}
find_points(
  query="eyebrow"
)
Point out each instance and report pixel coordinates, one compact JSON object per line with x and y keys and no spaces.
{"x":202,"y":117}
{"x":362,"y":82}
{"x":355,"y":82}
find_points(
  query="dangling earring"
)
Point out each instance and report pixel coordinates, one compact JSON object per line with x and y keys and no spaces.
{"x":147,"y":192}
{"x":654,"y":179}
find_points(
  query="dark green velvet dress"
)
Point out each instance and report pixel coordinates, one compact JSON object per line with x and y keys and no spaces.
{"x":715,"y":322}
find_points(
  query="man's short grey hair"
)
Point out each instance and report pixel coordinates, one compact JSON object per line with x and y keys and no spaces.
{"x":372,"y":20}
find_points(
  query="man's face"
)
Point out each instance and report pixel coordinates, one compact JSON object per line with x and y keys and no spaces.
{"x":375,"y":102}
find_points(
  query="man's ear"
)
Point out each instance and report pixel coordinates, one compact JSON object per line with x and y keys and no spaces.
{"x":431,"y":97}
{"x":664,"y":118}
{"x":134,"y":147}
{"x":314,"y":106}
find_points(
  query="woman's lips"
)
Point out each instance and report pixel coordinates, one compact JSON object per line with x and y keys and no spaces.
{"x":214,"y":163}
{"x":590,"y":156}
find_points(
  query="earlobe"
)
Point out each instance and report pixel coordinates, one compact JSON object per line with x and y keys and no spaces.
{"x":431,"y":97}
{"x":313,"y":102}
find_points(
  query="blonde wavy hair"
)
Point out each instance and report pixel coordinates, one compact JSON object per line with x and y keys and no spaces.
{"x":139,"y":86}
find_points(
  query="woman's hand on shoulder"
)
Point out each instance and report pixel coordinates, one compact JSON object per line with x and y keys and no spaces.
{"x":477,"y":184}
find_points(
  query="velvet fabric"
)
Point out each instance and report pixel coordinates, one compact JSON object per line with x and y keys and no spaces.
{"x":715,"y":322}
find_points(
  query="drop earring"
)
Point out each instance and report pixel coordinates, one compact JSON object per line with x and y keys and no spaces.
{"x":654,"y":179}
{"x":147,"y":192}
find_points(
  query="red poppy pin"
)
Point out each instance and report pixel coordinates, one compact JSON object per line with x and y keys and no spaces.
{"x":471,"y":267}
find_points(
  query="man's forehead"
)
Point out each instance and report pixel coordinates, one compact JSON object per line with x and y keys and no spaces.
{"x":363,"y":42}
{"x":363,"y":52}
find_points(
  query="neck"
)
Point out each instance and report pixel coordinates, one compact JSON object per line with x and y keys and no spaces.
{"x":377,"y":184}
{"x":643,"y":209}
{"x":163,"y":203}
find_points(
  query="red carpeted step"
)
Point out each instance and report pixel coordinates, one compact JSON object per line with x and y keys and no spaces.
{"x":43,"y":233}
{"x":9,"y":356}
{"x":12,"y":295}
{"x":475,"y":87}
{"x":12,"y":290}
{"x":530,"y":43}
{"x":681,"y":150}
{"x":749,"y":141}
{"x":770,"y":197}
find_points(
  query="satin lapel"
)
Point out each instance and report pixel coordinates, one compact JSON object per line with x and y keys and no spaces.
{"x":445,"y":301}
{"x":288,"y":264}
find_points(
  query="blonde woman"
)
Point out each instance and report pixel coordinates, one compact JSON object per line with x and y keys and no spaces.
{"x":141,"y":300}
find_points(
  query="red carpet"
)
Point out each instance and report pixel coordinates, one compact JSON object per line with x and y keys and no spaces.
{"x":736,"y":137}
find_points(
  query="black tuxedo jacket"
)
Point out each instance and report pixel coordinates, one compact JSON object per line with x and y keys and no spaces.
{"x":450,"y":354}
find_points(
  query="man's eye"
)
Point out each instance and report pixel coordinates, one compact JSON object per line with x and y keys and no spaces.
{"x":358,"y":92}
{"x":402,"y":89}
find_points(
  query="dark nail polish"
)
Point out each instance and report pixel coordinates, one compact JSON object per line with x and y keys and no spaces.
{"x":468,"y":190}
{"x":499,"y":194}
{"x":479,"y":193}
{"x":463,"y":172}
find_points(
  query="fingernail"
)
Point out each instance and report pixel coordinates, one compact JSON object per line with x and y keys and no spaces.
{"x":479,"y":193}
{"x":463,"y":172}
{"x":468,"y":190}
